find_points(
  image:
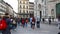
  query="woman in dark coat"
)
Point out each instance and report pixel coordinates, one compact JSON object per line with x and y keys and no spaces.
{"x":23,"y":22}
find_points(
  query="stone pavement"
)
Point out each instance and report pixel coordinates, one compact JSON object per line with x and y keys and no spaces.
{"x":44,"y":29}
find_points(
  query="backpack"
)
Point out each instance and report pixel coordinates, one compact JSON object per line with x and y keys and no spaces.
{"x":3,"y":24}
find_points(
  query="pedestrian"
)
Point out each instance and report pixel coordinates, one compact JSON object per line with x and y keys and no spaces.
{"x":3,"y":24}
{"x":49,"y":20}
{"x":18,"y":21}
{"x":31,"y":21}
{"x":26,"y":22}
{"x":59,"y":22}
{"x":23,"y":22}
{"x":7,"y":30}
{"x":11,"y":19}
{"x":43,"y":20}
{"x":14,"y":24}
{"x":38,"y":22}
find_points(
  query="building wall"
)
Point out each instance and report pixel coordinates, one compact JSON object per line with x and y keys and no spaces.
{"x":51,"y":6}
{"x":48,"y":8}
{"x":39,"y":6}
{"x":2,"y":8}
{"x":31,"y":8}
{"x":9,"y":9}
{"x":23,"y":6}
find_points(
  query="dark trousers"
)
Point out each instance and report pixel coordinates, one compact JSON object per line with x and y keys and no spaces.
{"x":31,"y":24}
{"x":14,"y":26}
{"x":6,"y":31}
{"x":38,"y":24}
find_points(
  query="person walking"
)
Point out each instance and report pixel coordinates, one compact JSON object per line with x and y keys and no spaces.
{"x":18,"y":21}
{"x":26,"y":22}
{"x":49,"y":20}
{"x":43,"y":20}
{"x":7,"y":30}
{"x":38,"y":22}
{"x":31,"y":21}
{"x":14,"y":24}
{"x":23,"y":22}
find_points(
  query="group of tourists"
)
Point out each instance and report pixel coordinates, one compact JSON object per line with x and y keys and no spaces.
{"x":8,"y":23}
{"x":24,"y":22}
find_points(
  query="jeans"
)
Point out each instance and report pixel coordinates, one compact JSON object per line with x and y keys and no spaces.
{"x":31,"y":24}
{"x":26,"y":24}
{"x":18,"y":23}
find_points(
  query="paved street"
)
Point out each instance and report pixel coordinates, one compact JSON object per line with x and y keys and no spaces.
{"x":45,"y":29}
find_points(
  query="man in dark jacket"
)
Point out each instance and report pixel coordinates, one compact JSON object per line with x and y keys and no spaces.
{"x":7,"y":30}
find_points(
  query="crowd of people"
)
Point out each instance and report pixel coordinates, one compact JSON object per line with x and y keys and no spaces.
{"x":13,"y":22}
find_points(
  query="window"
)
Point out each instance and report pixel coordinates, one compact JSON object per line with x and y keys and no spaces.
{"x":24,"y":6}
{"x":27,"y":2}
{"x":23,"y":11}
{"x":20,"y":1}
{"x":39,"y":6}
{"x":20,"y":11}
{"x":27,"y":7}
{"x":20,"y":6}
{"x":27,"y":11}
{"x":52,"y":11}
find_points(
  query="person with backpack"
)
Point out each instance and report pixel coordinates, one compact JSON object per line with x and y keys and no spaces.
{"x":8,"y":27}
{"x":3,"y":24}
